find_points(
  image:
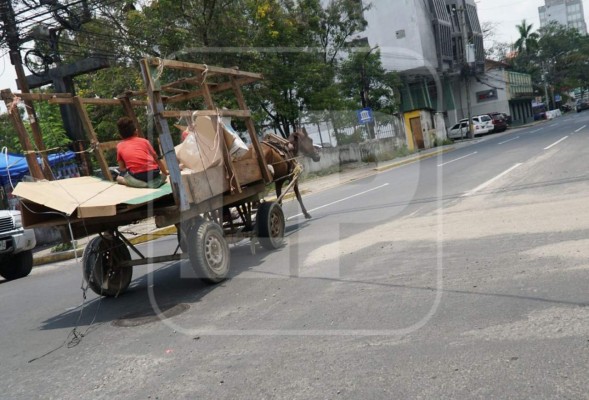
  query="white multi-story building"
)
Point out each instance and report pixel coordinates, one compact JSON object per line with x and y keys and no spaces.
{"x":564,"y":12}
{"x":423,"y":42}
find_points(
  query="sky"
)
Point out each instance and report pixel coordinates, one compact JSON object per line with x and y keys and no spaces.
{"x":504,"y":14}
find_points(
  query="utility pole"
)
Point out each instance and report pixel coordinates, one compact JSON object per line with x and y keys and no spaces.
{"x":364,"y":91}
{"x":13,"y":40}
{"x":466,"y":67}
{"x":546,"y":95}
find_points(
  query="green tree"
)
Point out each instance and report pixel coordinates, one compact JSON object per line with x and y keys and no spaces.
{"x":528,"y":40}
{"x":563,"y":56}
{"x":51,"y":125}
{"x":8,"y":137}
{"x":364,"y":81}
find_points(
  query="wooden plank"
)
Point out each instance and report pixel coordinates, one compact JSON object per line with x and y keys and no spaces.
{"x":109,"y":145}
{"x":182,"y":81}
{"x":206,"y":113}
{"x":87,"y":124}
{"x":23,"y":136}
{"x":205,"y":184}
{"x":84,"y":157}
{"x":67,"y":98}
{"x":172,"y":217}
{"x":152,"y":260}
{"x":202,"y":67}
{"x":249,"y":123}
{"x":176,"y":90}
{"x":213,"y":88}
{"x":40,"y":96}
{"x":96,"y":102}
{"x":248,"y":171}
{"x":157,"y":107}
{"x":130,"y":112}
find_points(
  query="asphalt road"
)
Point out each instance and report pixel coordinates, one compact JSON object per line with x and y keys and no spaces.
{"x":461,"y":276}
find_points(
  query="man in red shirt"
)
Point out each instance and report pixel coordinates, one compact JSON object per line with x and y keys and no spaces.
{"x":139,"y":165}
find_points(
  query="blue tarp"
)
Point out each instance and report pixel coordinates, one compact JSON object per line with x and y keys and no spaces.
{"x":16,"y":165}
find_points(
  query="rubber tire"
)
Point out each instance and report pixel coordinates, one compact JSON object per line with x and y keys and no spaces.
{"x":97,"y":255}
{"x":270,"y":225}
{"x":183,"y":229}
{"x":208,"y":251}
{"x":18,"y":265}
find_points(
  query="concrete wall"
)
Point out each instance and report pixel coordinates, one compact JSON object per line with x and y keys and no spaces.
{"x":46,"y":236}
{"x":351,"y":153}
{"x":494,"y":80}
{"x":403,"y":32}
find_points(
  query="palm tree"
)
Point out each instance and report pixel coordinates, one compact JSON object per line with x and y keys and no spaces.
{"x":528,"y":40}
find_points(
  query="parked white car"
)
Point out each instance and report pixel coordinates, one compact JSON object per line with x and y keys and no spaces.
{"x":16,"y":245}
{"x":482,"y":124}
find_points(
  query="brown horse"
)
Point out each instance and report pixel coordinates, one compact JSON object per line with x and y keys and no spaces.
{"x":281,"y":156}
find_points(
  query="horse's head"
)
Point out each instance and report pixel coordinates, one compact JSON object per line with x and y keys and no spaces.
{"x":303,"y":144}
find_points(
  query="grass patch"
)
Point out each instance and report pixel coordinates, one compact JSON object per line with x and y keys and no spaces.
{"x":324,"y":172}
{"x":64,"y":247}
{"x":443,"y":142}
{"x":387,"y":155}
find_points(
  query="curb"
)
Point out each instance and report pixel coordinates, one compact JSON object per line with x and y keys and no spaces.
{"x":71,"y":254}
{"x":413,"y":159}
{"x":171,"y":230}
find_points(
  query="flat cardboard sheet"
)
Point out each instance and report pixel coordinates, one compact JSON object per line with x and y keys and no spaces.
{"x":86,"y":196}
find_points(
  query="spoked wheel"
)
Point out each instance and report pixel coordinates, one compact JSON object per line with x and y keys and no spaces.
{"x":208,"y":251}
{"x":270,"y":225}
{"x":37,"y":62}
{"x":101,"y":262}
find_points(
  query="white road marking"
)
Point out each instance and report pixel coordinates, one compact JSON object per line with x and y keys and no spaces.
{"x":460,"y":158}
{"x":510,"y":140}
{"x":340,"y":200}
{"x":415,"y":212}
{"x":552,"y":124}
{"x":484,"y":185}
{"x":555,"y":143}
{"x":537,"y":130}
{"x":581,"y":128}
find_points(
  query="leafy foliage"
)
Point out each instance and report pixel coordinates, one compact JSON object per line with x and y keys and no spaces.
{"x":364,"y":81}
{"x":528,"y":40}
{"x":556,"y":54}
{"x":297,"y":45}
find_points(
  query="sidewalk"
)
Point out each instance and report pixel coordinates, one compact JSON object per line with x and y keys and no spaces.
{"x":146,"y":230}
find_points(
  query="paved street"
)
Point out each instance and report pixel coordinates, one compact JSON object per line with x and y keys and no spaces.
{"x":460,"y":276}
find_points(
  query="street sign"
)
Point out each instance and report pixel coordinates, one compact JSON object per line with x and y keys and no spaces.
{"x":557,"y":97}
{"x":365,"y":116}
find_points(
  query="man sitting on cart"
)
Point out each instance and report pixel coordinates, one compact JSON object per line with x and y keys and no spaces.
{"x":139,"y":165}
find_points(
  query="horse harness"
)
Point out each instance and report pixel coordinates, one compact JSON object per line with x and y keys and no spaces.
{"x":284,"y":151}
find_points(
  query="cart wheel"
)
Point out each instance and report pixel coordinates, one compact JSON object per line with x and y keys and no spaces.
{"x":183,"y":229}
{"x":270,"y":225}
{"x":208,"y":251}
{"x":101,"y":261}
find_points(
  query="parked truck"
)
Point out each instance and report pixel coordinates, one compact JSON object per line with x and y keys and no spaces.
{"x":16,"y":245}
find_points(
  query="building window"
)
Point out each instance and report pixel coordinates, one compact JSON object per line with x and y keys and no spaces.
{"x":487,"y":95}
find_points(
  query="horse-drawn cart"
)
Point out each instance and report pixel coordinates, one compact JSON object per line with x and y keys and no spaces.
{"x":212,"y":197}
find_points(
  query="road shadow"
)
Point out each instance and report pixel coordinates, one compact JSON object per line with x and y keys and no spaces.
{"x":171,"y":287}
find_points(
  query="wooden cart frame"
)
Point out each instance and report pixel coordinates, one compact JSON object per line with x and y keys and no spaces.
{"x":205,"y":226}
